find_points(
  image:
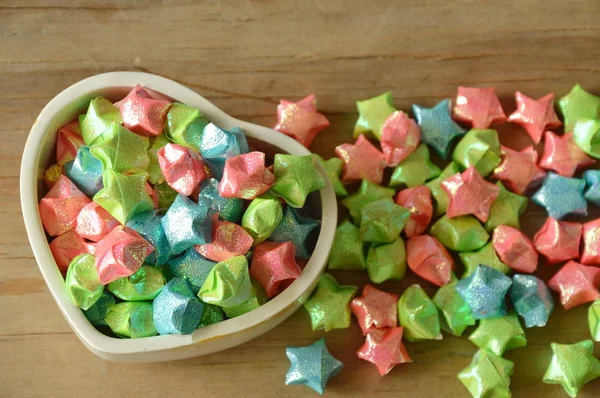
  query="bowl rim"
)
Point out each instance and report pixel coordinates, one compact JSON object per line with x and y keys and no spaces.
{"x":87,"y":333}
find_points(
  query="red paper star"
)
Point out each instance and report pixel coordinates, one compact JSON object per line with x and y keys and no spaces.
{"x":535,"y":115}
{"x":429,"y":259}
{"x":375,"y":309}
{"x":400,"y":136}
{"x":274,"y":266}
{"x":576,"y":284}
{"x":519,"y":170}
{"x":245,"y":176}
{"x":228,"y":240}
{"x":558,"y":241}
{"x":363,"y":161}
{"x":300,"y":120}
{"x":515,"y":249}
{"x":470,"y":194}
{"x":591,"y":243}
{"x":143,"y":114}
{"x":418,"y":201}
{"x":562,"y":155}
{"x":384,"y":348}
{"x":478,"y":106}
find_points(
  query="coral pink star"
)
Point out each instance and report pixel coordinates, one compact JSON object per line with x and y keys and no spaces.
{"x":562,"y":155}
{"x":68,"y":142}
{"x":558,"y":241}
{"x":363,"y":161}
{"x":228,"y":240}
{"x":535,"y":115}
{"x":576,"y":283}
{"x":590,"y":254}
{"x":418,"y":201}
{"x":519,"y":170}
{"x":143,"y":114}
{"x":400,"y":136}
{"x":375,"y":309}
{"x":300,"y":120}
{"x":469,"y":193}
{"x":384,"y":348}
{"x":478,"y":106}
{"x":515,"y":249}
{"x":274,"y":266}
{"x":245,"y":176}
{"x":429,"y":259}
{"x":61,"y":206}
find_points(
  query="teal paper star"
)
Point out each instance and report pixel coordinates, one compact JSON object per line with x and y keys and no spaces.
{"x":437,"y":127}
{"x":296,"y":229}
{"x":561,"y":196}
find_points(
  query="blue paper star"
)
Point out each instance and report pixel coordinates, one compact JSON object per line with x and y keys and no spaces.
{"x":85,"y":171}
{"x":312,"y":365}
{"x":295,"y":228}
{"x":531,"y":299}
{"x":484,"y":291}
{"x":149,"y":225}
{"x":193,"y":266}
{"x":218,"y":145}
{"x":230,"y":209}
{"x":187,"y":224}
{"x":592,"y":182}
{"x":561,"y":196}
{"x":176,"y":310}
{"x":437,"y":127}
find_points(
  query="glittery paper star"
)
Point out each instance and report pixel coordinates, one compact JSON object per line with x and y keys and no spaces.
{"x":228,"y":240}
{"x":245,"y":176}
{"x":479,"y":107}
{"x":418,"y":201}
{"x":65,"y":248}
{"x":362,"y":161}
{"x":52,"y":174}
{"x":558,"y":241}
{"x":427,"y":258}
{"x":68,"y":142}
{"x":382,"y":221}
{"x":439,"y":196}
{"x":485,"y":291}
{"x":470,"y":194}
{"x":98,"y":311}
{"x":578,"y":104}
{"x":121,"y":150}
{"x":300,"y":120}
{"x":295,"y":178}
{"x":149,"y":226}
{"x":329,"y":305}
{"x":192,"y":266}
{"x":572,"y":366}
{"x":186,"y":224}
{"x":274,"y":266}
{"x":456,"y":315}
{"x":375,"y":309}
{"x":437,"y":127}
{"x":590,"y":254}
{"x":372,"y":114}
{"x":592,"y":183}
{"x":131,"y":319}
{"x":145,"y":284}
{"x":594,"y":320}
{"x":85,"y":171}
{"x":506,"y":209}
{"x":367,"y":192}
{"x":61,"y":206}
{"x":100,"y":115}
{"x":576,"y":284}
{"x":312,"y":366}
{"x":486,"y":255}
{"x":185,"y":125}
{"x":562,"y":155}
{"x":143,"y":114}
{"x":499,"y":335}
{"x":155,"y":175}
{"x":561,"y":196}
{"x":230,"y":209}
{"x":400,"y":137}
{"x":519,"y":170}
{"x":176,"y":309}
{"x":296,"y":229}
{"x":334,"y":167}
{"x":488,"y":375}
{"x":415,"y":170}
{"x":228,"y":284}
{"x":384,"y":348}
{"x":262,"y":217}
{"x":347,"y":248}
{"x":480,"y":149}
{"x":418,"y":315}
{"x":515,"y":249}
{"x":386,"y":261}
{"x":535,"y":116}
{"x":461,"y":234}
{"x":586,"y":134}
{"x":182,"y":168}
{"x":82,"y":284}
{"x":216,"y":146}
{"x":531,"y":299}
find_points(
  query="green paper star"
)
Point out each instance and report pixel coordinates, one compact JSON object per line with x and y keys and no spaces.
{"x":82,"y":283}
{"x":132,"y":319}
{"x":578,"y":104}
{"x":145,"y":284}
{"x":372,"y":114}
{"x":594,"y":320}
{"x":295,"y":178}
{"x":368,"y":192}
{"x":586,"y":134}
{"x":386,"y":261}
{"x":155,"y":175}
{"x":262,"y":216}
{"x":347,"y":249}
{"x":457,"y":315}
{"x":478,"y":148}
{"x":572,"y":366}
{"x":487,"y":376}
{"x":415,"y":170}
{"x":100,"y":115}
{"x":461,"y":234}
{"x":185,"y":125}
{"x":498,"y":335}
{"x":257,"y":298}
{"x":329,"y":305}
{"x":228,"y":284}
{"x":487,"y":256}
{"x":506,"y":209}
{"x":439,"y":196}
{"x":124,"y":196}
{"x":382,"y":221}
{"x":333,"y":167}
{"x":437,"y":127}
{"x":121,"y":150}
{"x":418,"y":315}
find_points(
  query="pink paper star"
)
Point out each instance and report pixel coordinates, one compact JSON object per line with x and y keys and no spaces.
{"x":274,"y":266}
{"x":384,"y":348}
{"x":478,"y":106}
{"x":68,"y":142}
{"x":228,"y":240}
{"x":535,"y":115}
{"x":562,"y":155}
{"x":558,"y":241}
{"x":375,"y":309}
{"x":300,"y":120}
{"x":469,"y":193}
{"x":363,"y":161}
{"x":400,"y":136}
{"x":182,"y":167}
{"x":94,"y":222}
{"x":429,"y":259}
{"x":515,"y":249}
{"x":143,"y":114}
{"x":66,"y":247}
{"x":61,"y":206}
{"x":519,"y":170}
{"x":590,"y":254}
{"x":418,"y":201}
{"x":576,"y":283}
{"x":245,"y":176}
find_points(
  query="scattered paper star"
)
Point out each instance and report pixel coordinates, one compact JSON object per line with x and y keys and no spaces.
{"x":300,"y":120}
{"x":535,"y":115}
{"x":437,"y":127}
{"x":362,"y":160}
{"x":470,"y":194}
{"x":572,"y":366}
{"x":384,"y":348}
{"x":561,"y":196}
{"x":479,"y":107}
{"x":562,"y":155}
{"x":576,"y":283}
{"x":578,"y":104}
{"x":519,"y":170}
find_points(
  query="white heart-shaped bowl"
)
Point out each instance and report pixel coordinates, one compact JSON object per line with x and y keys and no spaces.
{"x":39,"y":154}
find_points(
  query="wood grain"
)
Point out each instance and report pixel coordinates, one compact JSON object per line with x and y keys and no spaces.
{"x":245,"y":56}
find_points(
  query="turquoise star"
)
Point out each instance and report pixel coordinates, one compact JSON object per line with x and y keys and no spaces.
{"x":592,"y":182}
{"x":296,"y":229}
{"x":187,"y":224}
{"x":561,"y":196}
{"x":312,"y":366}
{"x":437,"y":127}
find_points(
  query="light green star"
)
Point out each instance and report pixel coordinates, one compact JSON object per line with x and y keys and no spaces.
{"x":506,"y":209}
{"x":586,"y":134}
{"x":228,"y":284}
{"x":578,"y":104}
{"x":386,"y":261}
{"x":368,"y":192}
{"x":461,"y":234}
{"x":456,"y":314}
{"x":334,"y":167}
{"x":155,"y":175}
{"x":295,"y":178}
{"x":487,"y":376}
{"x":415,"y":170}
{"x":372,"y":114}
{"x":121,"y":150}
{"x":382,"y":221}
{"x":478,"y":148}
{"x":498,"y":335}
{"x":124,"y":196}
{"x":185,"y":125}
{"x":347,"y":249}
{"x":594,"y":320}
{"x":418,"y":315}
{"x":439,"y":196}
{"x":329,"y":305}
{"x":100,"y":115}
{"x":487,"y":256}
{"x":572,"y":366}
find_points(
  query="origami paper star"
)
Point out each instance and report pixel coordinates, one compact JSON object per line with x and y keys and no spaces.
{"x":262,"y":217}
{"x":488,"y":375}
{"x":300,"y":120}
{"x":480,"y":149}
{"x":274,"y":266}
{"x":68,"y":142}
{"x":227,"y":240}
{"x":469,"y":193}
{"x":98,"y":311}
{"x":585,"y":135}
{"x":66,"y":247}
{"x":192,"y":266}
{"x":484,"y":292}
{"x":576,"y":283}
{"x":85,"y":171}
{"x":155,"y":175}
{"x":499,"y":335}
{"x":334,"y":167}
{"x":329,"y":305}
{"x":367,"y":192}
{"x":347,"y":249}
{"x":296,"y":229}
{"x":375,"y":309}
{"x":295,"y":178}
{"x":531,"y":299}
{"x":257,"y":298}
{"x":145,"y":284}
{"x":456,"y":314}
{"x":427,"y":258}
{"x":577,"y":105}
{"x":437,"y":127}
{"x":100,"y":115}
{"x":384,"y":348}
{"x":182,"y":168}
{"x":572,"y":366}
{"x":386,"y":261}
{"x":382,"y":221}
{"x":594,"y":320}
{"x":60,"y":207}
{"x":592,"y":183}
{"x":519,"y":170}
{"x":590,"y":254}
{"x":462,"y":234}
{"x":399,"y":138}
{"x":131,"y":319}
{"x":187,"y":224}
{"x":486,"y":255}
{"x":415,"y":170}
{"x":418,"y":315}
{"x":439,"y":196}
{"x":479,"y":107}
{"x":143,"y":114}
{"x":312,"y":366}
{"x":230,"y":209}
{"x":185,"y":125}
{"x":149,"y":226}
{"x":418,"y":201}
{"x":228,"y":284}
{"x":515,"y":249}
{"x":535,"y":116}
{"x":558,"y":241}
{"x":82,"y":283}
{"x":216,"y":146}
{"x":506,"y":209}
{"x":245,"y":176}
{"x":372,"y":114}
{"x":561,"y":196}
{"x":562,"y":155}
{"x":121,"y":150}
{"x":362,"y":161}
{"x":176,"y":309}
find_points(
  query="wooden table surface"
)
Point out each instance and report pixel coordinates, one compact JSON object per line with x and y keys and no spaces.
{"x":245,"y":56}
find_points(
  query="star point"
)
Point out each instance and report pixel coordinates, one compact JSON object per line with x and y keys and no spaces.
{"x":437,"y":127}
{"x":572,"y":366}
{"x":384,"y":348}
{"x":470,"y":193}
{"x":362,"y":161}
{"x":329,"y":305}
{"x":479,"y":107}
{"x":535,"y":116}
{"x":375,"y":309}
{"x":300,"y":120}
{"x":576,"y":283}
